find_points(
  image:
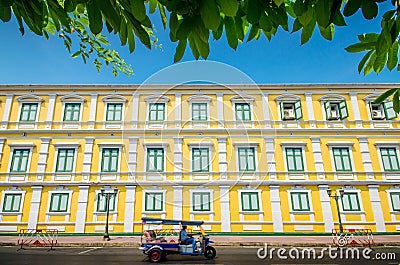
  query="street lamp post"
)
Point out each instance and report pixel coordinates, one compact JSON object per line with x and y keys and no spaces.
{"x":336,"y":197}
{"x":108,"y":193}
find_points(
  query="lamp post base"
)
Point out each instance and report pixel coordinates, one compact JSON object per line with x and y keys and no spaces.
{"x":106,"y":237}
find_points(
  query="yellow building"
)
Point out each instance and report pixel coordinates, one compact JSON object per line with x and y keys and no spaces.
{"x":244,"y":158}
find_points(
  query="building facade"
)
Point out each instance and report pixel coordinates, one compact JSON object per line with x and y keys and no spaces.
{"x":243,"y":158}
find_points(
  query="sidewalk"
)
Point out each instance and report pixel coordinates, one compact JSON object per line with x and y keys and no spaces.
{"x":237,"y":241}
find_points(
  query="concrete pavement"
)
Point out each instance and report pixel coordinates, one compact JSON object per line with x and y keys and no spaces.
{"x":133,"y":241}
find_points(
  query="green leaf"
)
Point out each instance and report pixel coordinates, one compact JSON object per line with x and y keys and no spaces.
{"x":210,"y":14}
{"x":95,"y":18}
{"x":307,"y":31}
{"x":323,"y":12}
{"x":306,"y":17}
{"x":5,"y":13}
{"x":254,"y":9}
{"x":254,"y":33}
{"x":296,"y":25}
{"x":360,"y":47}
{"x":111,"y":16}
{"x":339,"y":20}
{"x":123,"y":35}
{"x":364,"y":60}
{"x":193,"y":46}
{"x":184,"y":29}
{"x":200,"y":30}
{"x":152,"y":6}
{"x":173,"y":26}
{"x":230,"y":30}
{"x":138,"y":9}
{"x":69,"y":5}
{"x":161,"y":8}
{"x":76,"y":54}
{"x":328,"y":32}
{"x":351,"y":7}
{"x":279,"y":2}
{"x":380,"y":62}
{"x":370,"y":64}
{"x":369,"y":9}
{"x":396,"y":101}
{"x":265,"y":22}
{"x":218,"y":33}
{"x":180,"y":50}
{"x":385,"y":95}
{"x":299,"y":7}
{"x":228,"y":7}
{"x":393,"y":56}
{"x":370,"y":37}
{"x":131,"y":40}
{"x":239,"y":28}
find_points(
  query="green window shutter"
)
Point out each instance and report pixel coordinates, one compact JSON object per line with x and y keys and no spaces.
{"x":12,"y":202}
{"x":199,"y":112}
{"x":395,"y":199}
{"x":156,"y":112}
{"x":200,"y":160}
{"x":65,"y":160}
{"x":246,"y":158}
{"x":328,"y":111}
{"x":102,"y":203}
{"x":297,"y":110}
{"x":250,"y":201}
{"x":114,"y":112}
{"x":201,"y":201}
{"x":28,"y":112}
{"x":154,"y":201}
{"x":389,"y":111}
{"x":300,"y":201}
{"x":110,"y":160}
{"x":342,"y":159}
{"x":389,"y":159}
{"x":19,"y":161}
{"x":343,"y":110}
{"x":59,"y":202}
{"x":243,"y":111}
{"x":350,"y":202}
{"x":294,"y":159}
{"x":72,"y":111}
{"x":281,"y":109}
{"x":155,"y":160}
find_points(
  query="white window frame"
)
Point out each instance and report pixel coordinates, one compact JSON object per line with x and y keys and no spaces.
{"x":206,"y":145}
{"x":154,"y":190}
{"x":29,"y":99}
{"x":74,"y":99}
{"x":388,"y":194}
{"x":260,"y":204}
{"x":339,"y":144}
{"x":254,"y":145}
{"x":334,"y":99}
{"x":204,"y":100}
{"x":155,"y":175}
{"x":13,"y":191}
{"x":156,"y":99}
{"x":289,"y":99}
{"x":202,"y":190}
{"x":16,"y":146}
{"x":369,"y":101}
{"x":388,"y":144}
{"x":243,"y":99}
{"x":300,"y":190}
{"x":113,"y":99}
{"x":97,"y":192}
{"x":116,"y":145}
{"x":358,"y":192}
{"x":56,"y":191}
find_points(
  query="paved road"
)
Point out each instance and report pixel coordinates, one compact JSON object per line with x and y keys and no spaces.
{"x":226,"y":256}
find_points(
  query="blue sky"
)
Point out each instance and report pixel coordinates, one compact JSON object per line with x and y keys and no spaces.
{"x":31,"y":59}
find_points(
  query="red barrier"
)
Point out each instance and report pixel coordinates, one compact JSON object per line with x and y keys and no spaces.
{"x":354,"y":237}
{"x":38,"y":237}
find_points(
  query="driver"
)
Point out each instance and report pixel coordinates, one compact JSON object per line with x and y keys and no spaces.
{"x":184,"y":236}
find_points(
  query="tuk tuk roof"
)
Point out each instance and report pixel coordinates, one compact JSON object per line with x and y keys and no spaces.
{"x":148,"y":220}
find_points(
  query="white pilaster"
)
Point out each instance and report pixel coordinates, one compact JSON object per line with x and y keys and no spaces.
{"x":43,"y":153}
{"x":223,"y":164}
{"x":267,"y":112}
{"x":271,"y":163}
{"x":356,"y":109}
{"x":178,"y":158}
{"x":132,"y":157}
{"x":178,"y":110}
{"x":276,"y":208}
{"x":310,"y":109}
{"x":93,"y":109}
{"x":135,"y":110}
{"x":7,"y":110}
{"x":326,"y":208}
{"x":220,"y":105}
{"x":87,"y":158}
{"x":377,"y":208}
{"x":225,"y":209}
{"x":50,"y":110}
{"x":319,"y":164}
{"x":366,"y":157}
{"x":178,"y":202}
{"x":1,"y":148}
{"x":34,"y":207}
{"x":129,"y":208}
{"x":82,"y":208}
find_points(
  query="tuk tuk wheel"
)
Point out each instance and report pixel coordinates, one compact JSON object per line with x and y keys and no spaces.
{"x":155,"y":255}
{"x":210,"y":252}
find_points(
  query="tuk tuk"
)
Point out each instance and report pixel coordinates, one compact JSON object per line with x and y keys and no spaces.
{"x":162,"y":237}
